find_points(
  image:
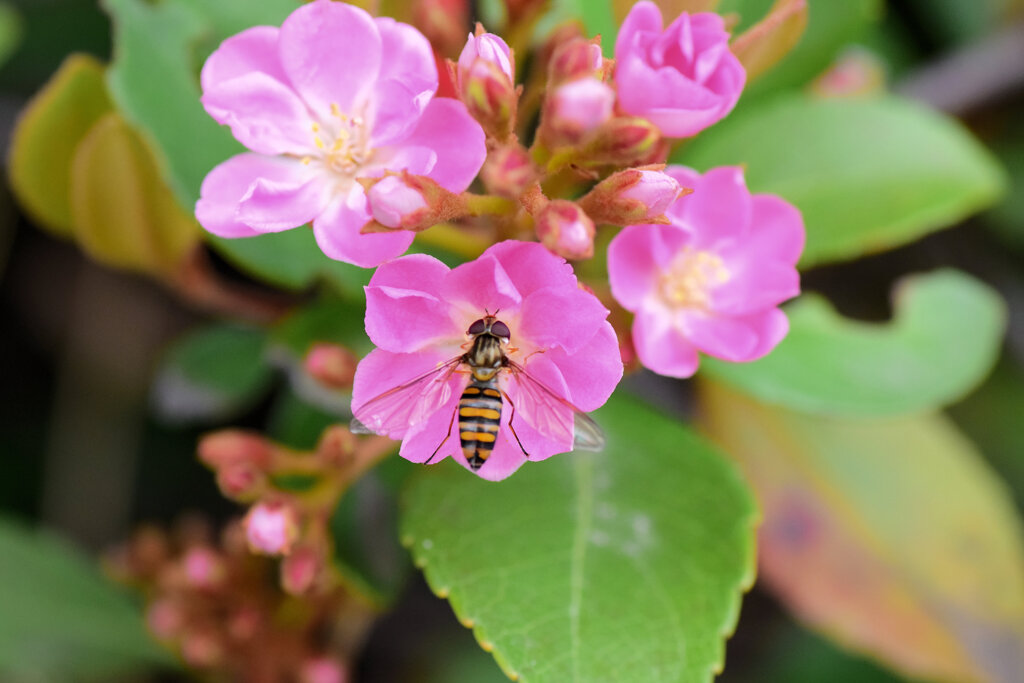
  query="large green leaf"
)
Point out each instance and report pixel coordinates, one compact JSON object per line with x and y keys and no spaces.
{"x":59,"y":619}
{"x":212,"y":374}
{"x":890,"y":535}
{"x":943,"y":340}
{"x":625,"y":565}
{"x":868,"y":175}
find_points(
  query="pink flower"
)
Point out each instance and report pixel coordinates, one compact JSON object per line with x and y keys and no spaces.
{"x":271,"y":528}
{"x":419,"y":312}
{"x":331,"y":96}
{"x":682,"y":79}
{"x":713,"y":278}
{"x":488,"y":47}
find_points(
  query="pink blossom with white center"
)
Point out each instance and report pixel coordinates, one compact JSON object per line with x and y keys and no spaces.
{"x":271,"y":528}
{"x":489,"y":47}
{"x":682,"y":78}
{"x":711,"y":280}
{"x":418,"y":312}
{"x":331,"y":96}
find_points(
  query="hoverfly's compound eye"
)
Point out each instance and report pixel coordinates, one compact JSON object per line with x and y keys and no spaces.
{"x":477,"y":328}
{"x":500,"y":329}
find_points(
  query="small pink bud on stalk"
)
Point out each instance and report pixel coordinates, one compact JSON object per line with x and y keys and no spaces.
{"x":621,"y":141}
{"x":241,"y":482}
{"x":576,"y":58}
{"x":485,"y":82}
{"x":508,"y":171}
{"x":332,"y":365}
{"x":271,"y":528}
{"x":443,"y":22}
{"x":300,"y":570}
{"x":574,"y":110}
{"x":323,"y":670}
{"x":402,"y":201}
{"x":164,"y":618}
{"x":203,"y":568}
{"x":231,"y":446}
{"x":632,"y":197}
{"x":565,"y":229}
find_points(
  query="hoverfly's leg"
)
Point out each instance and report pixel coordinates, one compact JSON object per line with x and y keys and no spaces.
{"x":445,"y":439}
{"x":512,"y":429}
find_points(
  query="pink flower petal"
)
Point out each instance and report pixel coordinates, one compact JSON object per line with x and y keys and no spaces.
{"x":777,"y":229}
{"x":448,"y":129}
{"x":397,"y":112}
{"x":531,"y":267}
{"x":273,"y":205}
{"x":561,"y":318}
{"x":254,"y":49}
{"x":403,"y":314}
{"x":633,"y":267}
{"x":484,"y":285}
{"x":592,"y":373}
{"x":331,"y":52}
{"x":645,"y":17}
{"x":720,"y":336}
{"x":410,"y":59}
{"x":755,"y":286}
{"x":771,"y":327}
{"x":225,"y":187}
{"x":337,"y":232}
{"x":264,"y":114}
{"x":719,"y":205}
{"x":661,"y":347}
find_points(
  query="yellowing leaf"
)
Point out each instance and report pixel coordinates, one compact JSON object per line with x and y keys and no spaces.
{"x":45,"y":137}
{"x":760,"y":47}
{"x":891,"y":536}
{"x":124,"y":214}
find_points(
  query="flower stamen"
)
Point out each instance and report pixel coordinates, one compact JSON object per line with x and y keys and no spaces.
{"x":690,"y":278}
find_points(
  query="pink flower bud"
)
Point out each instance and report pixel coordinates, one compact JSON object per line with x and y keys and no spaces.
{"x":574,"y":59}
{"x":579,"y":107}
{"x":230,"y":446}
{"x":271,"y":528}
{"x":508,"y":171}
{"x":623,"y":141}
{"x":564,"y":228}
{"x":202,"y":650}
{"x":203,"y":568}
{"x":489,"y":48}
{"x":165,"y":618}
{"x":300,"y":570}
{"x":323,"y":670}
{"x":490,"y":97}
{"x":631,"y":197}
{"x":393,"y":203}
{"x":241,"y":481}
{"x":442,"y":22}
{"x":331,"y":365}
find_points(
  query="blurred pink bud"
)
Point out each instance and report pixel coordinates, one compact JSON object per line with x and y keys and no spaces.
{"x":331,"y":365}
{"x":241,"y":482}
{"x":490,"y":97}
{"x":623,"y":141}
{"x":632,"y":196}
{"x":271,"y":528}
{"x":442,"y":22}
{"x":579,"y":107}
{"x":164,"y":618}
{"x":201,"y":650}
{"x":574,"y":59}
{"x":323,"y":670}
{"x":564,"y":228}
{"x":245,"y":623}
{"x":337,"y":446}
{"x":489,"y":48}
{"x":393,"y":203}
{"x":203,"y":567}
{"x":230,"y":446}
{"x":300,"y":569}
{"x":508,"y":171}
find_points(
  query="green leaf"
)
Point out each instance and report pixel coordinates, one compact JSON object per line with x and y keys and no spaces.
{"x":868,"y":175}
{"x":61,"y":620}
{"x":212,"y":374}
{"x":11,"y":30}
{"x":831,"y":26}
{"x":625,"y":565}
{"x":889,"y":535}
{"x":46,"y":136}
{"x":331,"y":320}
{"x":944,"y":338}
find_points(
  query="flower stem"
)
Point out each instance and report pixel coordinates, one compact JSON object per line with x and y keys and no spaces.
{"x":486,"y":204}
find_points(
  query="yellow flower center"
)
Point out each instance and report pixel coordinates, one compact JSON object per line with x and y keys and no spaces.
{"x":690,"y":278}
{"x":343,"y":143}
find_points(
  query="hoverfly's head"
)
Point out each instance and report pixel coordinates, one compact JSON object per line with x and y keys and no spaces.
{"x":489,"y":324}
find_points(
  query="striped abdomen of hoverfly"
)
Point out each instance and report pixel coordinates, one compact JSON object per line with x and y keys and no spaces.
{"x":479,"y":419}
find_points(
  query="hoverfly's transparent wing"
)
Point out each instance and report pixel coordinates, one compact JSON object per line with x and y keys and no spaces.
{"x":552,"y":415}
{"x":406,"y":405}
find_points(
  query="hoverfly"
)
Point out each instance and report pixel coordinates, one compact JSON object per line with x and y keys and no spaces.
{"x":480,"y":406}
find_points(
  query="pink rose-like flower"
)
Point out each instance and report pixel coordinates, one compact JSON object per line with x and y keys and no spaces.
{"x":331,"y":96}
{"x":418,"y":312}
{"x":712,"y":279}
{"x":683,"y":78}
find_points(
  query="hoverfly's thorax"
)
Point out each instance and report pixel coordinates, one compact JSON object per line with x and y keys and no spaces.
{"x":486,"y":356}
